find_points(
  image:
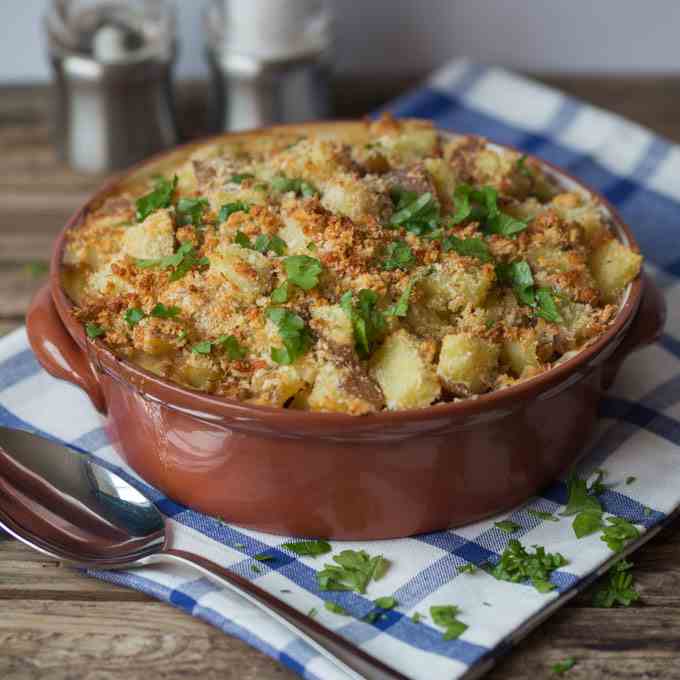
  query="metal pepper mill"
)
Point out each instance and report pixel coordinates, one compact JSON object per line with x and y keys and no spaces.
{"x":270,"y":61}
{"x":112,"y":62}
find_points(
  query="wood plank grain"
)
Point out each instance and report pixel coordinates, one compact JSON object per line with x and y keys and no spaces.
{"x":18,"y":285}
{"x":137,"y":641}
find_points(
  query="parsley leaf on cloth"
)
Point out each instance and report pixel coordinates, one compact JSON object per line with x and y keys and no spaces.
{"x":387,"y":602}
{"x":619,"y":587}
{"x":579,"y":498}
{"x":308,"y":548}
{"x":618,"y":533}
{"x":548,"y":516}
{"x":294,"y":333}
{"x":517,"y":564}
{"x":367,"y":320}
{"x":507,"y":526}
{"x":353,"y":570}
{"x":335,"y":608}
{"x":160,"y":197}
{"x":418,"y":214}
{"x":446,"y":616}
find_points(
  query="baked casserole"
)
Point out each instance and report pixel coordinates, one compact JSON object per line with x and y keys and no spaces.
{"x":393,"y":268}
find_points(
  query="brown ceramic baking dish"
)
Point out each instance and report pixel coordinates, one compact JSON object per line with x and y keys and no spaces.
{"x":331,"y":475}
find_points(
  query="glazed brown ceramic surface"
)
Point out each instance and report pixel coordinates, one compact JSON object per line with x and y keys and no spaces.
{"x":332,"y":475}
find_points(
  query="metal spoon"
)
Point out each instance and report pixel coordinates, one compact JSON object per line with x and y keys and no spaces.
{"x":66,"y":506}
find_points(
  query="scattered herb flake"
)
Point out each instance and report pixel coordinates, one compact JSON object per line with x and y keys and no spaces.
{"x":239,"y":177}
{"x":234,"y":350}
{"x":546,"y":307}
{"x":508,"y":526}
{"x":400,"y":307}
{"x":190,"y":210}
{"x":372,"y":617}
{"x":203,"y":347}
{"x":264,"y":558}
{"x":255,"y":568}
{"x":548,"y":516}
{"x":353,"y":570}
{"x":522,"y":167}
{"x":418,"y":214}
{"x":308,"y":548}
{"x":630,"y":480}
{"x":618,"y":533}
{"x":284,"y":185}
{"x":280,"y":294}
{"x":312,"y":612}
{"x":468,"y":568}
{"x":579,"y":498}
{"x":468,"y":247}
{"x":335,"y":608}
{"x":181,"y":262}
{"x":587,"y":522}
{"x":446,"y":616}
{"x":416,"y":617}
{"x":387,"y":602}
{"x":561,"y":667}
{"x":619,"y":588}
{"x":647,"y":511}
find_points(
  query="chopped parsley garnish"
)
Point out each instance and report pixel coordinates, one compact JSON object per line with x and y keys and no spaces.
{"x":280,"y":294}
{"x":230,"y":208}
{"x":548,"y":516}
{"x":580,"y":497}
{"x":133,"y":316}
{"x":181,"y":262}
{"x":204,"y":347}
{"x":308,"y":548}
{"x":561,"y":667}
{"x":160,"y":197}
{"x":93,"y":330}
{"x":619,"y":588}
{"x":517,"y":564}
{"x":303,"y":270}
{"x":522,"y":168}
{"x":418,"y":214}
{"x":416,"y":617}
{"x":398,"y":256}
{"x":468,"y":568}
{"x":354,"y":570}
{"x":597,"y":488}
{"x":264,"y":558}
{"x":312,"y":612}
{"x":255,"y":568}
{"x":295,"y":335}
{"x":372,"y":617}
{"x":481,"y":205}
{"x":160,"y":311}
{"x":518,"y":275}
{"x":263,"y":243}
{"x":468,"y":247}
{"x":190,"y":210}
{"x":400,"y":307}
{"x":239,"y":177}
{"x":618,"y":533}
{"x":335,"y":608}
{"x":630,"y":480}
{"x":367,"y":320}
{"x":284,"y":185}
{"x":446,"y":616}
{"x":387,"y":602}
{"x":508,"y":526}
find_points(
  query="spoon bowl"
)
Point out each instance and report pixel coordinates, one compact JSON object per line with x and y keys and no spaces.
{"x":66,"y":505}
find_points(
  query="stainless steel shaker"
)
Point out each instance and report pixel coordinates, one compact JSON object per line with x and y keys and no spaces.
{"x":112,"y":62}
{"x":270,"y":61}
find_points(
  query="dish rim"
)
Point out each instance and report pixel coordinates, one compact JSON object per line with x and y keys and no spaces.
{"x":213,"y":406}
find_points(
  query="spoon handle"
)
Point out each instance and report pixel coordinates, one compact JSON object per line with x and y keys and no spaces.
{"x":346,"y":656}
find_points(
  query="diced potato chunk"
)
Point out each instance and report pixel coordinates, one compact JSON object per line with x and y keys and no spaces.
{"x":347,"y":195}
{"x":444,"y":178}
{"x":106,"y":282}
{"x":148,"y":338}
{"x":275,"y":386}
{"x":614,"y":266}
{"x":457,"y":283}
{"x":294,"y":236}
{"x":406,"y":378}
{"x":331,"y":322}
{"x":344,"y":389}
{"x":152,"y":239}
{"x":467,"y":361}
{"x":520,"y":352}
{"x":247,"y":269}
{"x":198,"y":371}
{"x":411,"y":144}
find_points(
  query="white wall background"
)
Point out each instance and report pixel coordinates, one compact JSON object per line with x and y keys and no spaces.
{"x":392,"y":36}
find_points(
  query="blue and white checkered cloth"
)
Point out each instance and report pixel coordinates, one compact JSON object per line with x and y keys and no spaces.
{"x":639,"y":432}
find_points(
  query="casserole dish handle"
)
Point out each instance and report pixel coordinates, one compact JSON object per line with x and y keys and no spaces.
{"x":57,"y":352}
{"x":646,"y":327}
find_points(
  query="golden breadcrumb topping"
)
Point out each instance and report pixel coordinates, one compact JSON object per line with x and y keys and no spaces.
{"x":391,"y":268}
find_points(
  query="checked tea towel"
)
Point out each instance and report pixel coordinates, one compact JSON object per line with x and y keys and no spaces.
{"x":639,"y":432}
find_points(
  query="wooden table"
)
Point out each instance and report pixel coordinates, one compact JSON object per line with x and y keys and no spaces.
{"x":57,"y":624}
